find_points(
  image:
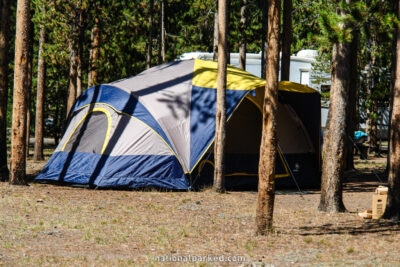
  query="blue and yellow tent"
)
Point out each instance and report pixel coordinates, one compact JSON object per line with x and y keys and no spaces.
{"x":157,"y":129}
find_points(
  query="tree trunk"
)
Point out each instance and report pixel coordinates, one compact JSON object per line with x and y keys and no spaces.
{"x":373,"y":107}
{"x":286,"y":39}
{"x":373,"y":135}
{"x":228,"y":44}
{"x":264,"y":41}
{"x":28,"y":105}
{"x":266,"y":168}
{"x":161,"y":50}
{"x":352,"y":120}
{"x":243,"y":41}
{"x":392,"y":210}
{"x":73,"y":62}
{"x":220,"y":121}
{"x":150,"y":36}
{"x":334,"y":142}
{"x":392,"y":82}
{"x":94,"y":54}
{"x":215,"y":42}
{"x":38,"y":154}
{"x":29,"y":88}
{"x":80,"y":51}
{"x":4,"y":45}
{"x":18,"y":141}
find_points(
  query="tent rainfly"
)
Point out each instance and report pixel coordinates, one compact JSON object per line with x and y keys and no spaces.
{"x":157,"y":129}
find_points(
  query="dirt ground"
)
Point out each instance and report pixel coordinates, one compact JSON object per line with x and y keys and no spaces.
{"x":47,"y":225}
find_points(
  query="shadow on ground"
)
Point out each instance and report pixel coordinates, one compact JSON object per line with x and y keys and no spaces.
{"x":383,"y":227}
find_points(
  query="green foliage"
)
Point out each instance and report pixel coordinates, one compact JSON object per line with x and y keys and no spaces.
{"x":189,"y":27}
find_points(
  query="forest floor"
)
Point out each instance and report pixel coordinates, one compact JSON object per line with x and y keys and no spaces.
{"x":47,"y":225}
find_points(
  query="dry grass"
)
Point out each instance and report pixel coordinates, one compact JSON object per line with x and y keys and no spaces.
{"x":45,"y":225}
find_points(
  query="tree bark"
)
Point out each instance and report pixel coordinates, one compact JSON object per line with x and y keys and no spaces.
{"x":18,"y":135}
{"x":334,"y":142}
{"x":264,"y":41}
{"x":80,"y":51}
{"x":215,"y":42}
{"x":220,"y":122}
{"x":4,"y":46}
{"x":38,"y":154}
{"x":392,"y":82}
{"x":94,"y":54}
{"x":352,"y":120}
{"x":286,"y":39}
{"x":150,"y":36}
{"x":28,"y":102}
{"x":268,"y":148}
{"x":373,"y":107}
{"x":243,"y":37}
{"x":373,"y":135}
{"x":29,"y":88}
{"x":161,"y":50}
{"x":228,"y":44}
{"x":73,"y":74}
{"x":392,"y":210}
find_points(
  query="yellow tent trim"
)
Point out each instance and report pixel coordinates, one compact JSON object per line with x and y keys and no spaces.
{"x":281,"y":175}
{"x":295,"y":87}
{"x":105,"y":111}
{"x":205,"y":75}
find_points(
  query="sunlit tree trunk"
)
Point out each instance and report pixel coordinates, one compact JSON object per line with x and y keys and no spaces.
{"x":243,"y":39}
{"x":94,"y":54}
{"x":335,"y":140}
{"x":80,"y":51}
{"x":392,"y":82}
{"x":161,"y":50}
{"x":286,"y":39}
{"x":352,"y":119}
{"x":73,"y":74}
{"x":264,"y":44}
{"x":220,"y":122}
{"x":29,"y":86}
{"x":18,"y":135}
{"x":268,"y":148}
{"x":215,"y":40}
{"x":150,"y":36}
{"x":4,"y":45}
{"x":373,"y":105}
{"x":38,"y":154}
{"x":392,"y":210}
{"x":228,"y":43}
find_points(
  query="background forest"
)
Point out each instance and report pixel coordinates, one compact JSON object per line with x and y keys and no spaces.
{"x":111,"y":38}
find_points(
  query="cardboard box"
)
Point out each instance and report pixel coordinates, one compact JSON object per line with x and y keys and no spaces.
{"x":378,"y":205}
{"x":381,"y":190}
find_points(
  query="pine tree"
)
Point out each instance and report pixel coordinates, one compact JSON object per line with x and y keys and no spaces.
{"x":286,"y":39}
{"x":40,"y":94}
{"x":220,"y":121}
{"x":392,"y":210}
{"x":269,"y":139}
{"x":18,"y":138}
{"x":4,"y":45}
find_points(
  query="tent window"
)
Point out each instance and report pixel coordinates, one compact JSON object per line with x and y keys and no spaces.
{"x":90,"y":134}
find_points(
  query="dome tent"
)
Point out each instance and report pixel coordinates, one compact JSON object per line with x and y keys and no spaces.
{"x":155,"y":129}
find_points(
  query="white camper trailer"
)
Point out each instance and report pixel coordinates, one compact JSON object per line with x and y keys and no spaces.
{"x":301,"y":70}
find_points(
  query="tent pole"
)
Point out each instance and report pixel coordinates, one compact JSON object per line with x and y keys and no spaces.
{"x":290,"y":170}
